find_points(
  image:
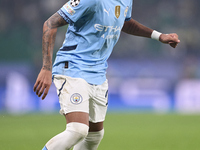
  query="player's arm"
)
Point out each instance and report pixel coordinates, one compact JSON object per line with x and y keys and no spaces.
{"x":135,"y":28}
{"x":48,"y":39}
{"x":44,"y":78}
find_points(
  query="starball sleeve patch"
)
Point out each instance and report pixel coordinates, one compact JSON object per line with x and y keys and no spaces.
{"x":74,"y":3}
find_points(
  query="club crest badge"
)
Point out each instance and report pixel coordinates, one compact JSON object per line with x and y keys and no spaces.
{"x":125,"y":12}
{"x":76,"y":99}
{"x":117,"y":11}
{"x":74,"y":3}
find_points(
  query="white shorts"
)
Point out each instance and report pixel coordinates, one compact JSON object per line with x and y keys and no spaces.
{"x":76,"y":95}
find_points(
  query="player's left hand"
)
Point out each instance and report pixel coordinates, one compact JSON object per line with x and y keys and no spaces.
{"x":171,"y":39}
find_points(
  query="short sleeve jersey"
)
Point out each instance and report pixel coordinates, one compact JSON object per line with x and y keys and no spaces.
{"x":94,"y":29}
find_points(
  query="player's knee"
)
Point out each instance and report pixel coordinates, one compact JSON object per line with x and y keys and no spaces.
{"x":79,"y":128}
{"x":95,"y":137}
{"x":74,"y":133}
{"x":100,"y":135}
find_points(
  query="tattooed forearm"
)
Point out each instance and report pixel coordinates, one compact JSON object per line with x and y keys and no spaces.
{"x":45,"y":44}
{"x":47,"y":63}
{"x":135,"y":28}
{"x":48,"y":39}
{"x":45,"y":67}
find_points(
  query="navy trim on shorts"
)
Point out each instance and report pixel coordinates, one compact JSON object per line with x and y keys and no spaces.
{"x":106,"y":94}
{"x":61,"y":88}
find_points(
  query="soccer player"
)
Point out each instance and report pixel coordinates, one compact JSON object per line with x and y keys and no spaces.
{"x":79,"y":70}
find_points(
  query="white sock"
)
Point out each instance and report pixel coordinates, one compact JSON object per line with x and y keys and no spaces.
{"x":74,"y":133}
{"x":91,"y":142}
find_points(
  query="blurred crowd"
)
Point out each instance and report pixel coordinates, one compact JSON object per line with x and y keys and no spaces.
{"x":21,"y":28}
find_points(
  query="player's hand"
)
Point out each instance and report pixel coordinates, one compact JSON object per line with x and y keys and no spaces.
{"x":43,"y":83}
{"x":171,"y":39}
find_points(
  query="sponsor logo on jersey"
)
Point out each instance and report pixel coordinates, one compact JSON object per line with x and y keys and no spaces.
{"x":100,"y":27}
{"x":112,"y":31}
{"x":76,"y":99}
{"x":69,"y":9}
{"x":74,"y":3}
{"x":107,"y":11}
{"x":117,"y":11}
{"x":125,"y":12}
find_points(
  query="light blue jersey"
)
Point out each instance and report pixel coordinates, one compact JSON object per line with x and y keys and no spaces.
{"x":94,"y":29}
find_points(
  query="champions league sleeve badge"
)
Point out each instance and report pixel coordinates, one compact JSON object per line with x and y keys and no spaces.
{"x":76,"y":99}
{"x":74,"y":3}
{"x":125,"y":12}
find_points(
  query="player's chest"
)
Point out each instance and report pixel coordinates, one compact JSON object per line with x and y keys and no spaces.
{"x":112,"y":12}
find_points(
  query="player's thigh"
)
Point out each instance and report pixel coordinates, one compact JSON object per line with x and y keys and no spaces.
{"x":80,"y":117}
{"x":95,"y":127}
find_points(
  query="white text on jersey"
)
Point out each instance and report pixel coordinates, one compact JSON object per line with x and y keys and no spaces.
{"x":100,"y":27}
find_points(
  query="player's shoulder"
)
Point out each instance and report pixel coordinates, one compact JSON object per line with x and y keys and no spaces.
{"x":85,"y":3}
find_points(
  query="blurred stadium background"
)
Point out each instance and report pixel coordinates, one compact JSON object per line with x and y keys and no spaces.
{"x":144,"y":75}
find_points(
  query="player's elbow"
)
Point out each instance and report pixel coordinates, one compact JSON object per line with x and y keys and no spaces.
{"x":48,"y":24}
{"x":45,"y":25}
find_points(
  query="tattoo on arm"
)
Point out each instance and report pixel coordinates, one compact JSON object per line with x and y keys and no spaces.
{"x":48,"y":39}
{"x":55,"y":21}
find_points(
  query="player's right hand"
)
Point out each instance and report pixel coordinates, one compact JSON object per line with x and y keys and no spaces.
{"x":171,"y":39}
{"x":43,"y":83}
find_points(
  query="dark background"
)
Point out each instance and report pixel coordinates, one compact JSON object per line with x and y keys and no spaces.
{"x":143,"y":73}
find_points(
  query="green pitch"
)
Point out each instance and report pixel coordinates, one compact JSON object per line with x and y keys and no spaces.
{"x":122,"y":131}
